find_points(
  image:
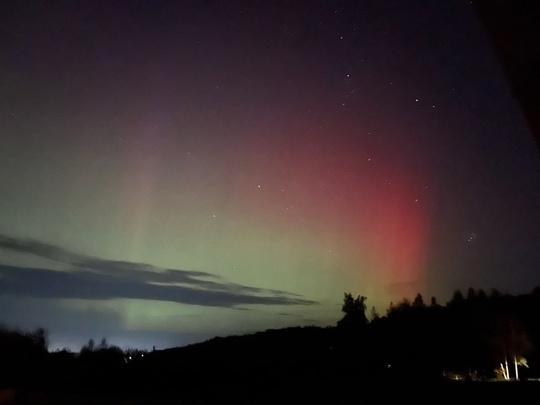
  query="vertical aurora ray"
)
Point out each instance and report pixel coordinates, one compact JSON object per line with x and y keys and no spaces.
{"x":397,"y":240}
{"x":139,"y":183}
{"x":343,"y":146}
{"x":364,"y":215}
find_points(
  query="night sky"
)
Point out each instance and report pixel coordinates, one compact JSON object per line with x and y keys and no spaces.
{"x":174,"y":171}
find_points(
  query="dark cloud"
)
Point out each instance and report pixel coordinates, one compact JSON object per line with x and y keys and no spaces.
{"x":47,"y":251}
{"x":97,"y":279}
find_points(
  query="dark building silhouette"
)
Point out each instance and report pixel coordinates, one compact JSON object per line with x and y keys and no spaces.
{"x":515,"y":32}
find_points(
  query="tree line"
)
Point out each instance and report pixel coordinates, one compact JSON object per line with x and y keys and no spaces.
{"x":475,"y":336}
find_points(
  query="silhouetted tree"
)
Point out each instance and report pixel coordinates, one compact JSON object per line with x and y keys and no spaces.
{"x":39,"y":339}
{"x":418,"y":301}
{"x":403,"y":306}
{"x":495,"y":293}
{"x":355,"y":312}
{"x":390,"y":308}
{"x":481,"y":295}
{"x":374,"y":313}
{"x":103,"y":344}
{"x":457,"y":298}
{"x":88,"y":347}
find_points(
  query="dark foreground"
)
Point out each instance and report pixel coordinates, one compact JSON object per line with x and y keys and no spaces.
{"x":440,"y":392}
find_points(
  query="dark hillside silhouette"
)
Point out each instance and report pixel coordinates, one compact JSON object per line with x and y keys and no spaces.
{"x":23,"y":357}
{"x":476,"y":339}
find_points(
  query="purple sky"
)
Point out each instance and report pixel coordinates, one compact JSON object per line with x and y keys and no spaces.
{"x":173,"y":171}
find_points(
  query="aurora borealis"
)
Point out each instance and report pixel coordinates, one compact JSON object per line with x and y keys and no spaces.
{"x":173,"y":171}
